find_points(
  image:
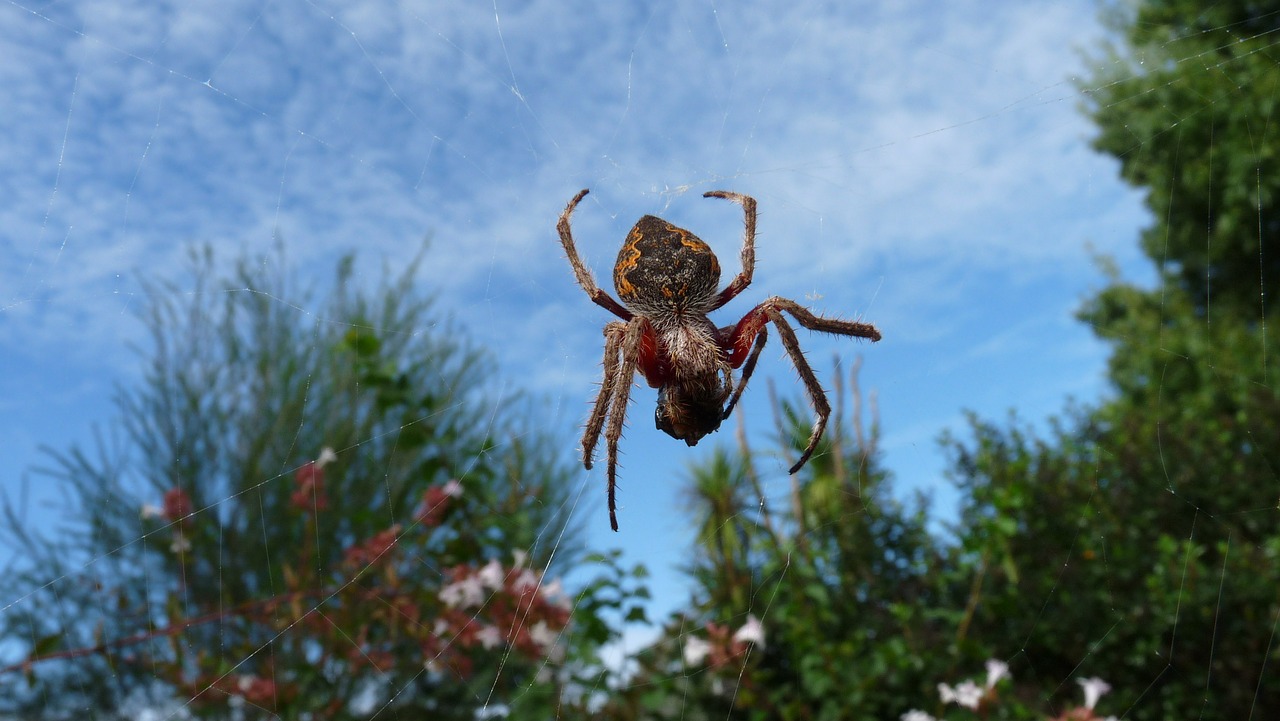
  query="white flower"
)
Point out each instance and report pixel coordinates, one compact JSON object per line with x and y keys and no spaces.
{"x":696,"y":651}
{"x":526,"y":580}
{"x":751,"y":632}
{"x":466,"y":593}
{"x":453,"y":488}
{"x":327,"y":456}
{"x":966,"y":694}
{"x":489,"y":637}
{"x":519,"y":555}
{"x":996,"y":672}
{"x":916,"y":715}
{"x":181,"y":544}
{"x":150,"y":510}
{"x":1094,"y":688}
{"x":542,"y":635}
{"x":554,"y":593}
{"x":492,"y":575}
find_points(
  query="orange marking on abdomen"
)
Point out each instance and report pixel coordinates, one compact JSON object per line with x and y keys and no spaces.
{"x":627,"y":263}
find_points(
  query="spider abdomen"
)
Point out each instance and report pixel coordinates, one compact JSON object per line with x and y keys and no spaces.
{"x":665,"y":270}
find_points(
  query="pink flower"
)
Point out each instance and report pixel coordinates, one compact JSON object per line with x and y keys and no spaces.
{"x":256,"y":690}
{"x":436,"y":503}
{"x":373,"y":549}
{"x":177,"y":504}
{"x":308,"y":494}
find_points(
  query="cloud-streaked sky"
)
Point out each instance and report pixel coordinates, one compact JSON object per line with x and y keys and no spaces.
{"x":919,"y":165}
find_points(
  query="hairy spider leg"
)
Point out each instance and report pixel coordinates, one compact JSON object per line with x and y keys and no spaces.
{"x":762,"y":335}
{"x":742,"y":279}
{"x":744,"y":337}
{"x":624,"y":378}
{"x":613,"y":335}
{"x":580,"y":270}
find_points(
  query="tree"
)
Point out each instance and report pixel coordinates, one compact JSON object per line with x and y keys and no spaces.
{"x":334,"y":522}
{"x":1188,"y":106}
{"x":1155,"y":509}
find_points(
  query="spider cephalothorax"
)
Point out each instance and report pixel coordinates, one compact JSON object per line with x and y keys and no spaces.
{"x":668,"y":280}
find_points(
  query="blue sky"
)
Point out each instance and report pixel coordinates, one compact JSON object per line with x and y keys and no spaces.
{"x":918,"y":165}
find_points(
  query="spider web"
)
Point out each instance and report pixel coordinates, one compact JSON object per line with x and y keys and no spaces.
{"x":924,"y":169}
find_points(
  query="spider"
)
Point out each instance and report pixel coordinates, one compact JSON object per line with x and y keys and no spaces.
{"x":668,"y":280}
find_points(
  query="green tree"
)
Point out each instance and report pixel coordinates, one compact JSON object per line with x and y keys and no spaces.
{"x":1137,"y":541}
{"x":335,"y":523}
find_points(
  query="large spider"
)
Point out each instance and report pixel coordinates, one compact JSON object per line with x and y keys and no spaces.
{"x":667,"y":279}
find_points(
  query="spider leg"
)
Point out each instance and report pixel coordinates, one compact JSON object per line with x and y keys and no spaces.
{"x":816,"y":395}
{"x":812,"y":321}
{"x":599,"y":297}
{"x":613,"y":334}
{"x":747,"y":369}
{"x":622,"y":381}
{"x":743,"y":279}
{"x":770,"y":311}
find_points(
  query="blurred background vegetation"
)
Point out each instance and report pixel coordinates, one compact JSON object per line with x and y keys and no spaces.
{"x":1131,"y":541}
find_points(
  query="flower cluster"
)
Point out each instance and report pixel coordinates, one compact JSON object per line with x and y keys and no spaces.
{"x":308,"y":481}
{"x":373,"y":549}
{"x":177,"y":509}
{"x":436,"y":502}
{"x":972,"y":696}
{"x":497,"y":607}
{"x":721,"y":646}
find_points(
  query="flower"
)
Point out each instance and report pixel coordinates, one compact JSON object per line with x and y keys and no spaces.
{"x":308,"y":494}
{"x":464,"y":593}
{"x":435,"y":502}
{"x":255,"y":689}
{"x":696,"y":651}
{"x":916,"y":715}
{"x":967,"y":694}
{"x":751,"y":632}
{"x":489,"y":637}
{"x":177,"y":504}
{"x":181,"y":544}
{"x":374,"y":548}
{"x":150,"y":510}
{"x":996,"y":671}
{"x":1094,"y":688}
{"x":525,"y":581}
{"x":327,"y":456}
{"x":492,"y":575}
{"x":542,"y":635}
{"x":553,"y":591}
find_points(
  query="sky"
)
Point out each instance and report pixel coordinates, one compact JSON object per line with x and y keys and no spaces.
{"x":921,"y":166}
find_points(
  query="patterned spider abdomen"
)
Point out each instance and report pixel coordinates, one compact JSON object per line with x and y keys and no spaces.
{"x":664,"y":270}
